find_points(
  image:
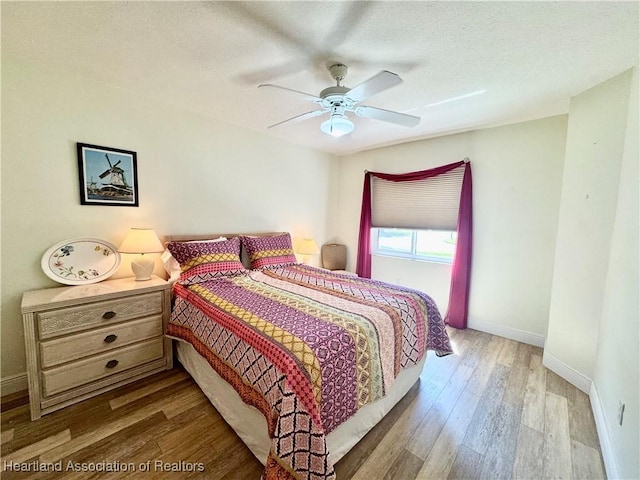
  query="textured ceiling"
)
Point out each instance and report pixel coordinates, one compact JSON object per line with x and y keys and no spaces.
{"x":465,"y":65}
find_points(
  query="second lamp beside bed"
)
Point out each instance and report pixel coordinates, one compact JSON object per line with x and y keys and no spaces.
{"x":307,"y":248}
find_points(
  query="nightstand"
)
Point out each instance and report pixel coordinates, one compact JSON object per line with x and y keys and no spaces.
{"x":85,"y":340}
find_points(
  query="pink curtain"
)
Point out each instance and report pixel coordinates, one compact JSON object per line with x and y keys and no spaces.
{"x":461,"y":271}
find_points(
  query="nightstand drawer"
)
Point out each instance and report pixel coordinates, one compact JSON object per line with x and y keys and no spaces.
{"x":74,"y":347}
{"x":72,"y":319}
{"x":63,"y":378}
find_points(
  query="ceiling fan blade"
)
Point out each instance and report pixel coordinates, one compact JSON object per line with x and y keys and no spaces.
{"x":299,"y":118}
{"x":387,"y":116}
{"x":307,"y":96}
{"x":376,"y":84}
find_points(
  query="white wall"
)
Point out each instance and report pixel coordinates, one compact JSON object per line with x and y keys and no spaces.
{"x":593,"y":335}
{"x":595,"y":143}
{"x":196,"y":175}
{"x":618,"y":339}
{"x":517,"y":173}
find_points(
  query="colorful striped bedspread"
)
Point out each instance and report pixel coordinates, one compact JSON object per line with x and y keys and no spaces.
{"x":308,"y":348}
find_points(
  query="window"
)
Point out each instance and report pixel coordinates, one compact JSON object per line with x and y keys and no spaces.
{"x":429,"y":245}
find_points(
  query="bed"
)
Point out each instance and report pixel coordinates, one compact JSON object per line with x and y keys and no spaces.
{"x":300,"y":361}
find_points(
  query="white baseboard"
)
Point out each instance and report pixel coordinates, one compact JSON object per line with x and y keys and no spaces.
{"x":13,"y":384}
{"x":572,"y":376}
{"x":507,"y":332}
{"x":603,"y":433}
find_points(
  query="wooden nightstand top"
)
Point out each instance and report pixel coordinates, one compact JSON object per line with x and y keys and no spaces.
{"x":47,"y":298}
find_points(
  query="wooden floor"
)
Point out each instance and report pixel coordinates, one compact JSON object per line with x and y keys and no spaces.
{"x":490,"y":411}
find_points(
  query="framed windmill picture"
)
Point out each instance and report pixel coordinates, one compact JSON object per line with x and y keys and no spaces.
{"x":108,"y":176}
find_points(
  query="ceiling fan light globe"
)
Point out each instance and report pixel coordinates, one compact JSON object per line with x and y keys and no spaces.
{"x":337,"y":126}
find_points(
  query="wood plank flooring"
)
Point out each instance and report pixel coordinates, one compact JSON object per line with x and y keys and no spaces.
{"x":490,"y":411}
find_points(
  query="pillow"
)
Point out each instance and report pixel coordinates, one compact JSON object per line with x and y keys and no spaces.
{"x":267,"y":252}
{"x":172,"y":266}
{"x":202,"y":261}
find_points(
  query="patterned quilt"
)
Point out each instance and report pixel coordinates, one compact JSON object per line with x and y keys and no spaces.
{"x":308,"y":348}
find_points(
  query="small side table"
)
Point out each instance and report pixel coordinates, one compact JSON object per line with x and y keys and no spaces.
{"x":85,"y":340}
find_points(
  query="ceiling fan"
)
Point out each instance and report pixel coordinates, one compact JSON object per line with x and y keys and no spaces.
{"x":338,"y":100}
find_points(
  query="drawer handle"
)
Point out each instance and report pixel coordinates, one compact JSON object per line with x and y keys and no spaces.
{"x":110,"y":338}
{"x":111,"y":364}
{"x":109,"y":315}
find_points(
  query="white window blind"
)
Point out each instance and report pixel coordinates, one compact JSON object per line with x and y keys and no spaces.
{"x":432,"y":203}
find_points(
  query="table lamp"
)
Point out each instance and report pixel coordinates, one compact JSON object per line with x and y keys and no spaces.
{"x":141,"y":241}
{"x":306,"y":247}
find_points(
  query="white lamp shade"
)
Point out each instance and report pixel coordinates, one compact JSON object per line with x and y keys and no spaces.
{"x":308,"y":247}
{"x":141,"y":240}
{"x":337,"y":125}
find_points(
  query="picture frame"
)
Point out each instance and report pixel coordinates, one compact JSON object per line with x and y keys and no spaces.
{"x":107,"y":176}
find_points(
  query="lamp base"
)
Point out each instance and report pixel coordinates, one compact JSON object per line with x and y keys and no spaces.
{"x":142,"y":268}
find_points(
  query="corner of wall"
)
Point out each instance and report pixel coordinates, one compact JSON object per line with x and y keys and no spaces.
{"x":589,"y":387}
{"x":596,"y":131}
{"x":570,"y":374}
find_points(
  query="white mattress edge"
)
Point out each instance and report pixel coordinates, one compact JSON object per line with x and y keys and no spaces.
{"x":251,"y":426}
